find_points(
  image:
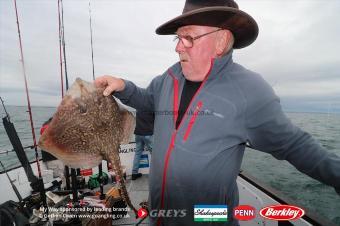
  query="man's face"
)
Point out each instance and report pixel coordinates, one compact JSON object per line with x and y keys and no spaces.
{"x":195,"y":61}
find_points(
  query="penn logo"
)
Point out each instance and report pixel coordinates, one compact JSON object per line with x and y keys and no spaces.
{"x":244,"y":213}
{"x":282,"y":212}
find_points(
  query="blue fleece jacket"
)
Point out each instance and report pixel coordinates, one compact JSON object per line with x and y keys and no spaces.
{"x":199,"y":162}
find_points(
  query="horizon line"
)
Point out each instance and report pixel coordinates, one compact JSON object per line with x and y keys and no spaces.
{"x":287,"y":111}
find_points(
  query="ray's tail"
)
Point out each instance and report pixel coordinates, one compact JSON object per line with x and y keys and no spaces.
{"x":115,"y":161}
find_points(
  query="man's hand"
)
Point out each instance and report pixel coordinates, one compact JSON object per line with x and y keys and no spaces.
{"x":110,"y":84}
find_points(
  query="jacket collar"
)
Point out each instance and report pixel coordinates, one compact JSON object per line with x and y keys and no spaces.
{"x":219,"y":64}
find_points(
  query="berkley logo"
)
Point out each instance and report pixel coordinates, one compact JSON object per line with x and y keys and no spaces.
{"x":282,"y":212}
{"x":244,"y":213}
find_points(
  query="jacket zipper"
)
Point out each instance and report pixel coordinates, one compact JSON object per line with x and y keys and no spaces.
{"x":173,"y":137}
{"x":192,"y":120}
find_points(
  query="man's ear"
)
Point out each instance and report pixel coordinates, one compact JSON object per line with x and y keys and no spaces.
{"x":223,"y":42}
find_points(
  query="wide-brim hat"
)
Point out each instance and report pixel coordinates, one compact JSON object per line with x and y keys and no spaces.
{"x":215,"y":13}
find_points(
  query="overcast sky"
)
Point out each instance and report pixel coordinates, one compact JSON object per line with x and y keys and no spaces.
{"x":297,"y":50}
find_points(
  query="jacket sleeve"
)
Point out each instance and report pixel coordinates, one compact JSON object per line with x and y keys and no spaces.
{"x":269,"y":130}
{"x":139,"y":98}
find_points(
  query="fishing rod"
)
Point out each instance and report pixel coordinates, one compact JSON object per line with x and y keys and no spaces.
{"x":27,"y":92}
{"x":91,"y":41}
{"x":100,"y":166}
{"x":41,"y":183}
{"x":73,"y":171}
{"x":63,"y":40}
{"x":11,"y":181}
{"x":3,"y":104}
{"x":19,"y":149}
{"x":60,"y":51}
{"x":8,"y":118}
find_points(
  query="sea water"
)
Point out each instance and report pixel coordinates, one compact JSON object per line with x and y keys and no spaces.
{"x":282,"y":176}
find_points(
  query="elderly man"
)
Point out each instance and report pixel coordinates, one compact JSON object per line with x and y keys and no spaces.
{"x":218,"y":106}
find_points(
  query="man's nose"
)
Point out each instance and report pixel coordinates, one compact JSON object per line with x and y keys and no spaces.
{"x":180,"y":46}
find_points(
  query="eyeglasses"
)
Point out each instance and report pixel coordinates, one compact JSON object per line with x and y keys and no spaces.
{"x":188,"y":41}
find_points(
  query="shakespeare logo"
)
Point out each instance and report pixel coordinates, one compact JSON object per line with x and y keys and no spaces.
{"x":210,"y":213}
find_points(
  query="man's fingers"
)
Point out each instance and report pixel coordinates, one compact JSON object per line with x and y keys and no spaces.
{"x":101,"y":82}
{"x":110,"y":89}
{"x":110,"y":84}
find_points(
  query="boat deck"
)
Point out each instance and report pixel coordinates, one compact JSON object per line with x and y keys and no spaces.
{"x":250,"y":194}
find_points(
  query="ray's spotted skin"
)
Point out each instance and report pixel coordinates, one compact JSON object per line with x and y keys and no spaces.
{"x":87,"y":128}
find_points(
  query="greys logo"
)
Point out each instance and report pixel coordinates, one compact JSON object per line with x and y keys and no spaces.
{"x":168,"y":213}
